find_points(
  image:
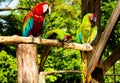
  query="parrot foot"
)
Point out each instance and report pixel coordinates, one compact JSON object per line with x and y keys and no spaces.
{"x":32,"y":38}
{"x":40,"y":38}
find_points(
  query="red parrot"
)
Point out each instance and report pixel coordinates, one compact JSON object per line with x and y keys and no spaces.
{"x":34,"y":21}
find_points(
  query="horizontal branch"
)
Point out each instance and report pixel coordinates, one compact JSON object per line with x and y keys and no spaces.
{"x":43,"y":74}
{"x":18,"y":39}
{"x":16,"y":8}
{"x":62,"y":72}
{"x":112,"y":74}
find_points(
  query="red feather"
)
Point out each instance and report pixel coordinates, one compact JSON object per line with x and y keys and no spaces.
{"x":38,"y":16}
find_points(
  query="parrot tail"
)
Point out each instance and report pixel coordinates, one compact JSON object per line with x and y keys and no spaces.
{"x":46,"y":50}
{"x":84,"y":66}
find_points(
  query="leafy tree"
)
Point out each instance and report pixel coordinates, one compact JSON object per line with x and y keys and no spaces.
{"x":63,"y":16}
{"x":8,"y":69}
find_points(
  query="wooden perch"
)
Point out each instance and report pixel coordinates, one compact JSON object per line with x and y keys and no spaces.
{"x":18,"y":39}
{"x":43,"y":74}
{"x":63,"y":72}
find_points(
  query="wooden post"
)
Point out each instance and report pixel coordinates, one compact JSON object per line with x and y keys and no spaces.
{"x":103,"y":40}
{"x":42,"y":77}
{"x":27,"y":63}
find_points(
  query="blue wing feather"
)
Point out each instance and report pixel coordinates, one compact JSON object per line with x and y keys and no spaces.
{"x":80,"y":37}
{"x":28,"y":25}
{"x":44,"y":23}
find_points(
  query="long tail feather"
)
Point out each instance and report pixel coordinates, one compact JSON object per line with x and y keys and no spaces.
{"x":84,"y":66}
{"x":44,"y":56}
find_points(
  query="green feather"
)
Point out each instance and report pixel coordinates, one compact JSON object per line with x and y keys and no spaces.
{"x":86,"y":33}
{"x":56,"y":34}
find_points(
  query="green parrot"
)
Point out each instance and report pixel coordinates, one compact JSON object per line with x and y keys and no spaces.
{"x":86,"y":33}
{"x":58,"y":34}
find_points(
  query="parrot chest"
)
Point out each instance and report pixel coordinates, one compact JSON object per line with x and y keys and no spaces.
{"x":37,"y":26}
{"x":86,"y":33}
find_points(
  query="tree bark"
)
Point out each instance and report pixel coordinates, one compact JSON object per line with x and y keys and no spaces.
{"x":110,"y":61}
{"x":97,"y":75}
{"x":27,"y":63}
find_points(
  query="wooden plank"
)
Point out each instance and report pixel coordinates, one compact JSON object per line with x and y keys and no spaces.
{"x":110,"y":61}
{"x":27,"y":63}
{"x":103,"y":40}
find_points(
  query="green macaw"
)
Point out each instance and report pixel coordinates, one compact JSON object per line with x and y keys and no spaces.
{"x":58,"y":34}
{"x":86,"y":33}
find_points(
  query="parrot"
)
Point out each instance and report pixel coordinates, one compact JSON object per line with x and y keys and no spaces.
{"x":86,"y":33}
{"x":58,"y":34}
{"x":34,"y":21}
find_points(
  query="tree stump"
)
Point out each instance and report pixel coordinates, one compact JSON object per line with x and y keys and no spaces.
{"x":27,"y":63}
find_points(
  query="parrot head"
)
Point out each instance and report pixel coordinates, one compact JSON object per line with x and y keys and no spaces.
{"x":92,"y":18}
{"x":67,"y":38}
{"x":42,"y":8}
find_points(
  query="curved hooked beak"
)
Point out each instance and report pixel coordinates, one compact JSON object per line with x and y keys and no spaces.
{"x":46,"y":9}
{"x":49,"y":10}
{"x":94,"y":19}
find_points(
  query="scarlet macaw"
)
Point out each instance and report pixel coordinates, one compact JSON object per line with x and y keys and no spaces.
{"x":34,"y":21}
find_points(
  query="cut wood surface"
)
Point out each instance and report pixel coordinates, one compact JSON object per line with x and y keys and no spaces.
{"x":18,"y":39}
{"x":27,"y":63}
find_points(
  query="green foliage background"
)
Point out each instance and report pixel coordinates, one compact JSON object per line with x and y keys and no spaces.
{"x":63,"y":16}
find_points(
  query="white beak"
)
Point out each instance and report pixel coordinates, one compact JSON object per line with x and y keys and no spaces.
{"x":49,"y":10}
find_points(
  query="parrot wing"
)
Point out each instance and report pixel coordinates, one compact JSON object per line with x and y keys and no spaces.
{"x":56,"y":34}
{"x":51,"y":34}
{"x":93,"y":35}
{"x":28,"y":25}
{"x":79,"y":35}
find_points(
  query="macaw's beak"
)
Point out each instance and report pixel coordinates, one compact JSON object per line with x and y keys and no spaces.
{"x":46,"y":9}
{"x":49,"y":10}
